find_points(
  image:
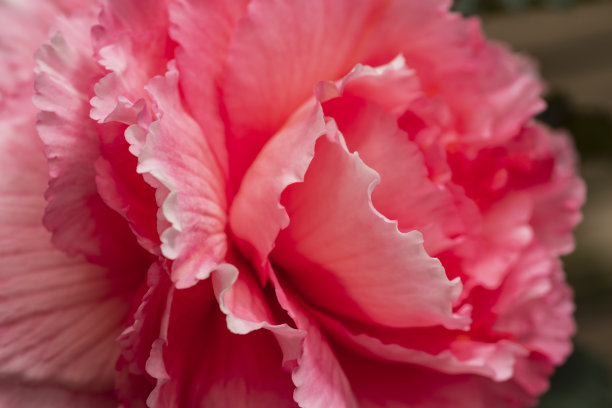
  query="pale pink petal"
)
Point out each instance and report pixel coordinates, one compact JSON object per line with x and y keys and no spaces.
{"x":124,"y":190}
{"x":203,"y":30}
{"x":248,"y":307}
{"x":282,"y":161}
{"x":178,"y":156}
{"x":278,"y":52}
{"x":346,"y":258}
{"x":17,"y":45}
{"x":59,"y":315}
{"x":132,"y":43}
{"x":78,"y":217}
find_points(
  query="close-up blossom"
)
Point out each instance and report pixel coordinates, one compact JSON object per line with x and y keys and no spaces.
{"x":276,"y":203}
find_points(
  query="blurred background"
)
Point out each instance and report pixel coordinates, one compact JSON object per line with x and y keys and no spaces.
{"x":572,"y":42}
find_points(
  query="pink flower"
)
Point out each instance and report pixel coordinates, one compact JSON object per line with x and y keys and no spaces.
{"x":276,"y":203}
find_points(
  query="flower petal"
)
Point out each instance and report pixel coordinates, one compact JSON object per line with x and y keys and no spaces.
{"x":378,"y":383}
{"x":278,"y":52}
{"x":535,"y":304}
{"x":59,"y":315}
{"x":78,"y":217}
{"x":197,"y":361}
{"x":405,"y":193}
{"x":282,"y":161}
{"x":455,"y":63}
{"x":203,"y":30}
{"x":347,"y":259}
{"x":450,"y":352}
{"x":319,"y":379}
{"x":178,"y":156}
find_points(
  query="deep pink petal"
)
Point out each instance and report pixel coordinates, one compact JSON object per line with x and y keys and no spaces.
{"x":132,"y":43}
{"x":377,"y":383}
{"x":177,"y":155}
{"x":133,"y":383}
{"x":198,"y":361}
{"x":124,"y":190}
{"x":347,"y":259}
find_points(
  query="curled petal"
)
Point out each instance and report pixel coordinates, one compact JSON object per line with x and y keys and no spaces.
{"x":177,"y":155}
{"x":347,"y":259}
{"x":281,"y":162}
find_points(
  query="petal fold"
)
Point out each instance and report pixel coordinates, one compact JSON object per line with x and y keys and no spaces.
{"x":347,"y":259}
{"x":191,"y":186}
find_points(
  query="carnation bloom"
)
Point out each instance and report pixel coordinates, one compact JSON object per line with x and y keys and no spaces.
{"x":271,"y":203}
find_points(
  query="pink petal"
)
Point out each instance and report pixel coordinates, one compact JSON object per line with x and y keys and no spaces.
{"x":455,"y":63}
{"x":203,"y":31}
{"x":124,"y":190}
{"x":197,"y":361}
{"x":59,"y":315}
{"x":43,"y":396}
{"x":406,"y":193}
{"x":78,"y":217}
{"x":536,"y":305}
{"x":514,"y":185}
{"x":347,"y":259}
{"x":377,"y":383}
{"x":133,"y":384}
{"x":449,"y":352}
{"x":123,"y":41}
{"x":178,"y":156}
{"x":557,"y":204}
{"x":278,"y":52}
{"x":133,"y":44}
{"x":282,"y":161}
{"x":18,"y":45}
{"x":318,"y":377}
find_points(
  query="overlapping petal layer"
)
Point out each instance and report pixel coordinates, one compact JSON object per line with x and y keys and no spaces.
{"x":268,"y":203}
